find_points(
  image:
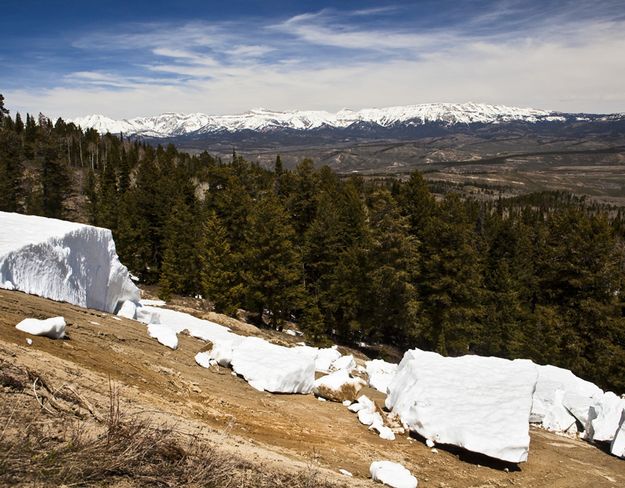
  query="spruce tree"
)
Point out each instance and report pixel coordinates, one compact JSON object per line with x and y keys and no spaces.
{"x":180,"y":271}
{"x":219,"y":279}
{"x":56,"y":184}
{"x":392,"y":302}
{"x":451,"y":281}
{"x":10,"y":171}
{"x":273,"y":266}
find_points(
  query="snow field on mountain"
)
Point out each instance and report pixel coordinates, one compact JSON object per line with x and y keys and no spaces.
{"x":62,"y":261}
{"x":174,"y":124}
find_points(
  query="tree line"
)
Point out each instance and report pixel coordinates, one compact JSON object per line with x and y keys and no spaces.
{"x":380,"y":261}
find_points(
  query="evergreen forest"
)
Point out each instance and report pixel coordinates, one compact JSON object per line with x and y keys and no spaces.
{"x":356,"y":260}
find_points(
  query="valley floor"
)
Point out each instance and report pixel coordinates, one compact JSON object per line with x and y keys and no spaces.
{"x":275,"y":433}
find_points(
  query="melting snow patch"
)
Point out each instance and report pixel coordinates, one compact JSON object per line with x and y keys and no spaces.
{"x":203,"y":359}
{"x":368,"y":415}
{"x":346,"y":363}
{"x":392,"y":474}
{"x":273,"y":368}
{"x":53,"y":327}
{"x":153,"y":303}
{"x":605,"y":417}
{"x":325,"y":358}
{"x":380,"y":374}
{"x":618,"y":443}
{"x":338,"y":387}
{"x":163,"y":334}
{"x":561,"y":397}
{"x":63,"y":261}
{"x":128,"y":310}
{"x":478,"y":403}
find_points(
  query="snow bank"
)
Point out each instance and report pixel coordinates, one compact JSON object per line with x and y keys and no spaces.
{"x":128,"y":310}
{"x":605,"y":417}
{"x":338,"y":386}
{"x":172,"y":323}
{"x":63,"y":261}
{"x":380,"y":374}
{"x":53,"y":327}
{"x":346,"y":363}
{"x":152,"y":303}
{"x":618,"y":443}
{"x":392,"y":474}
{"x":163,"y":334}
{"x":561,"y":398}
{"x":325,"y":358}
{"x":277,"y":369}
{"x":479,"y":403}
{"x":222,"y":351}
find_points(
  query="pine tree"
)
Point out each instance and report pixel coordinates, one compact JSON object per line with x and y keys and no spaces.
{"x":180,"y":269}
{"x":219,"y":280}
{"x":451,"y":281}
{"x":273,"y":267}
{"x":392,"y":302}
{"x":10,"y":171}
{"x":107,"y":199}
{"x":91,"y":193}
{"x":302,"y":199}
{"x":56,"y":184}
{"x":19,"y":125}
{"x":3,"y":111}
{"x":416,"y":203}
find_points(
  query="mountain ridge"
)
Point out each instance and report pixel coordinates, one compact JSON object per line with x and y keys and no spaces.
{"x":172,"y":124}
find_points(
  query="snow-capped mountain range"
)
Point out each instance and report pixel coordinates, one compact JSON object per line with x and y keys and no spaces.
{"x":261,"y":120}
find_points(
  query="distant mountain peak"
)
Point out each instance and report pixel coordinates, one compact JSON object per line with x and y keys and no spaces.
{"x":171,"y":124}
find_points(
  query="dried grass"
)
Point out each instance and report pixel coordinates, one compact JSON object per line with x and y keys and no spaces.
{"x":45,"y":447}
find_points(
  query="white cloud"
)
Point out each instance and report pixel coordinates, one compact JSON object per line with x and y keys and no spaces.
{"x":574,"y":65}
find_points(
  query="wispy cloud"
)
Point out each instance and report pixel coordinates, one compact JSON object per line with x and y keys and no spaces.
{"x":550,"y":56}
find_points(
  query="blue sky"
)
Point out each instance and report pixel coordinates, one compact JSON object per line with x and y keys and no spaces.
{"x":130,"y":58}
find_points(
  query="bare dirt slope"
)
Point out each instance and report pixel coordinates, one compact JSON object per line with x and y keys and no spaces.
{"x":281,"y":432}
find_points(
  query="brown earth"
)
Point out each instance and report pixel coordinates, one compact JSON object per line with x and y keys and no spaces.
{"x":279,"y":432}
